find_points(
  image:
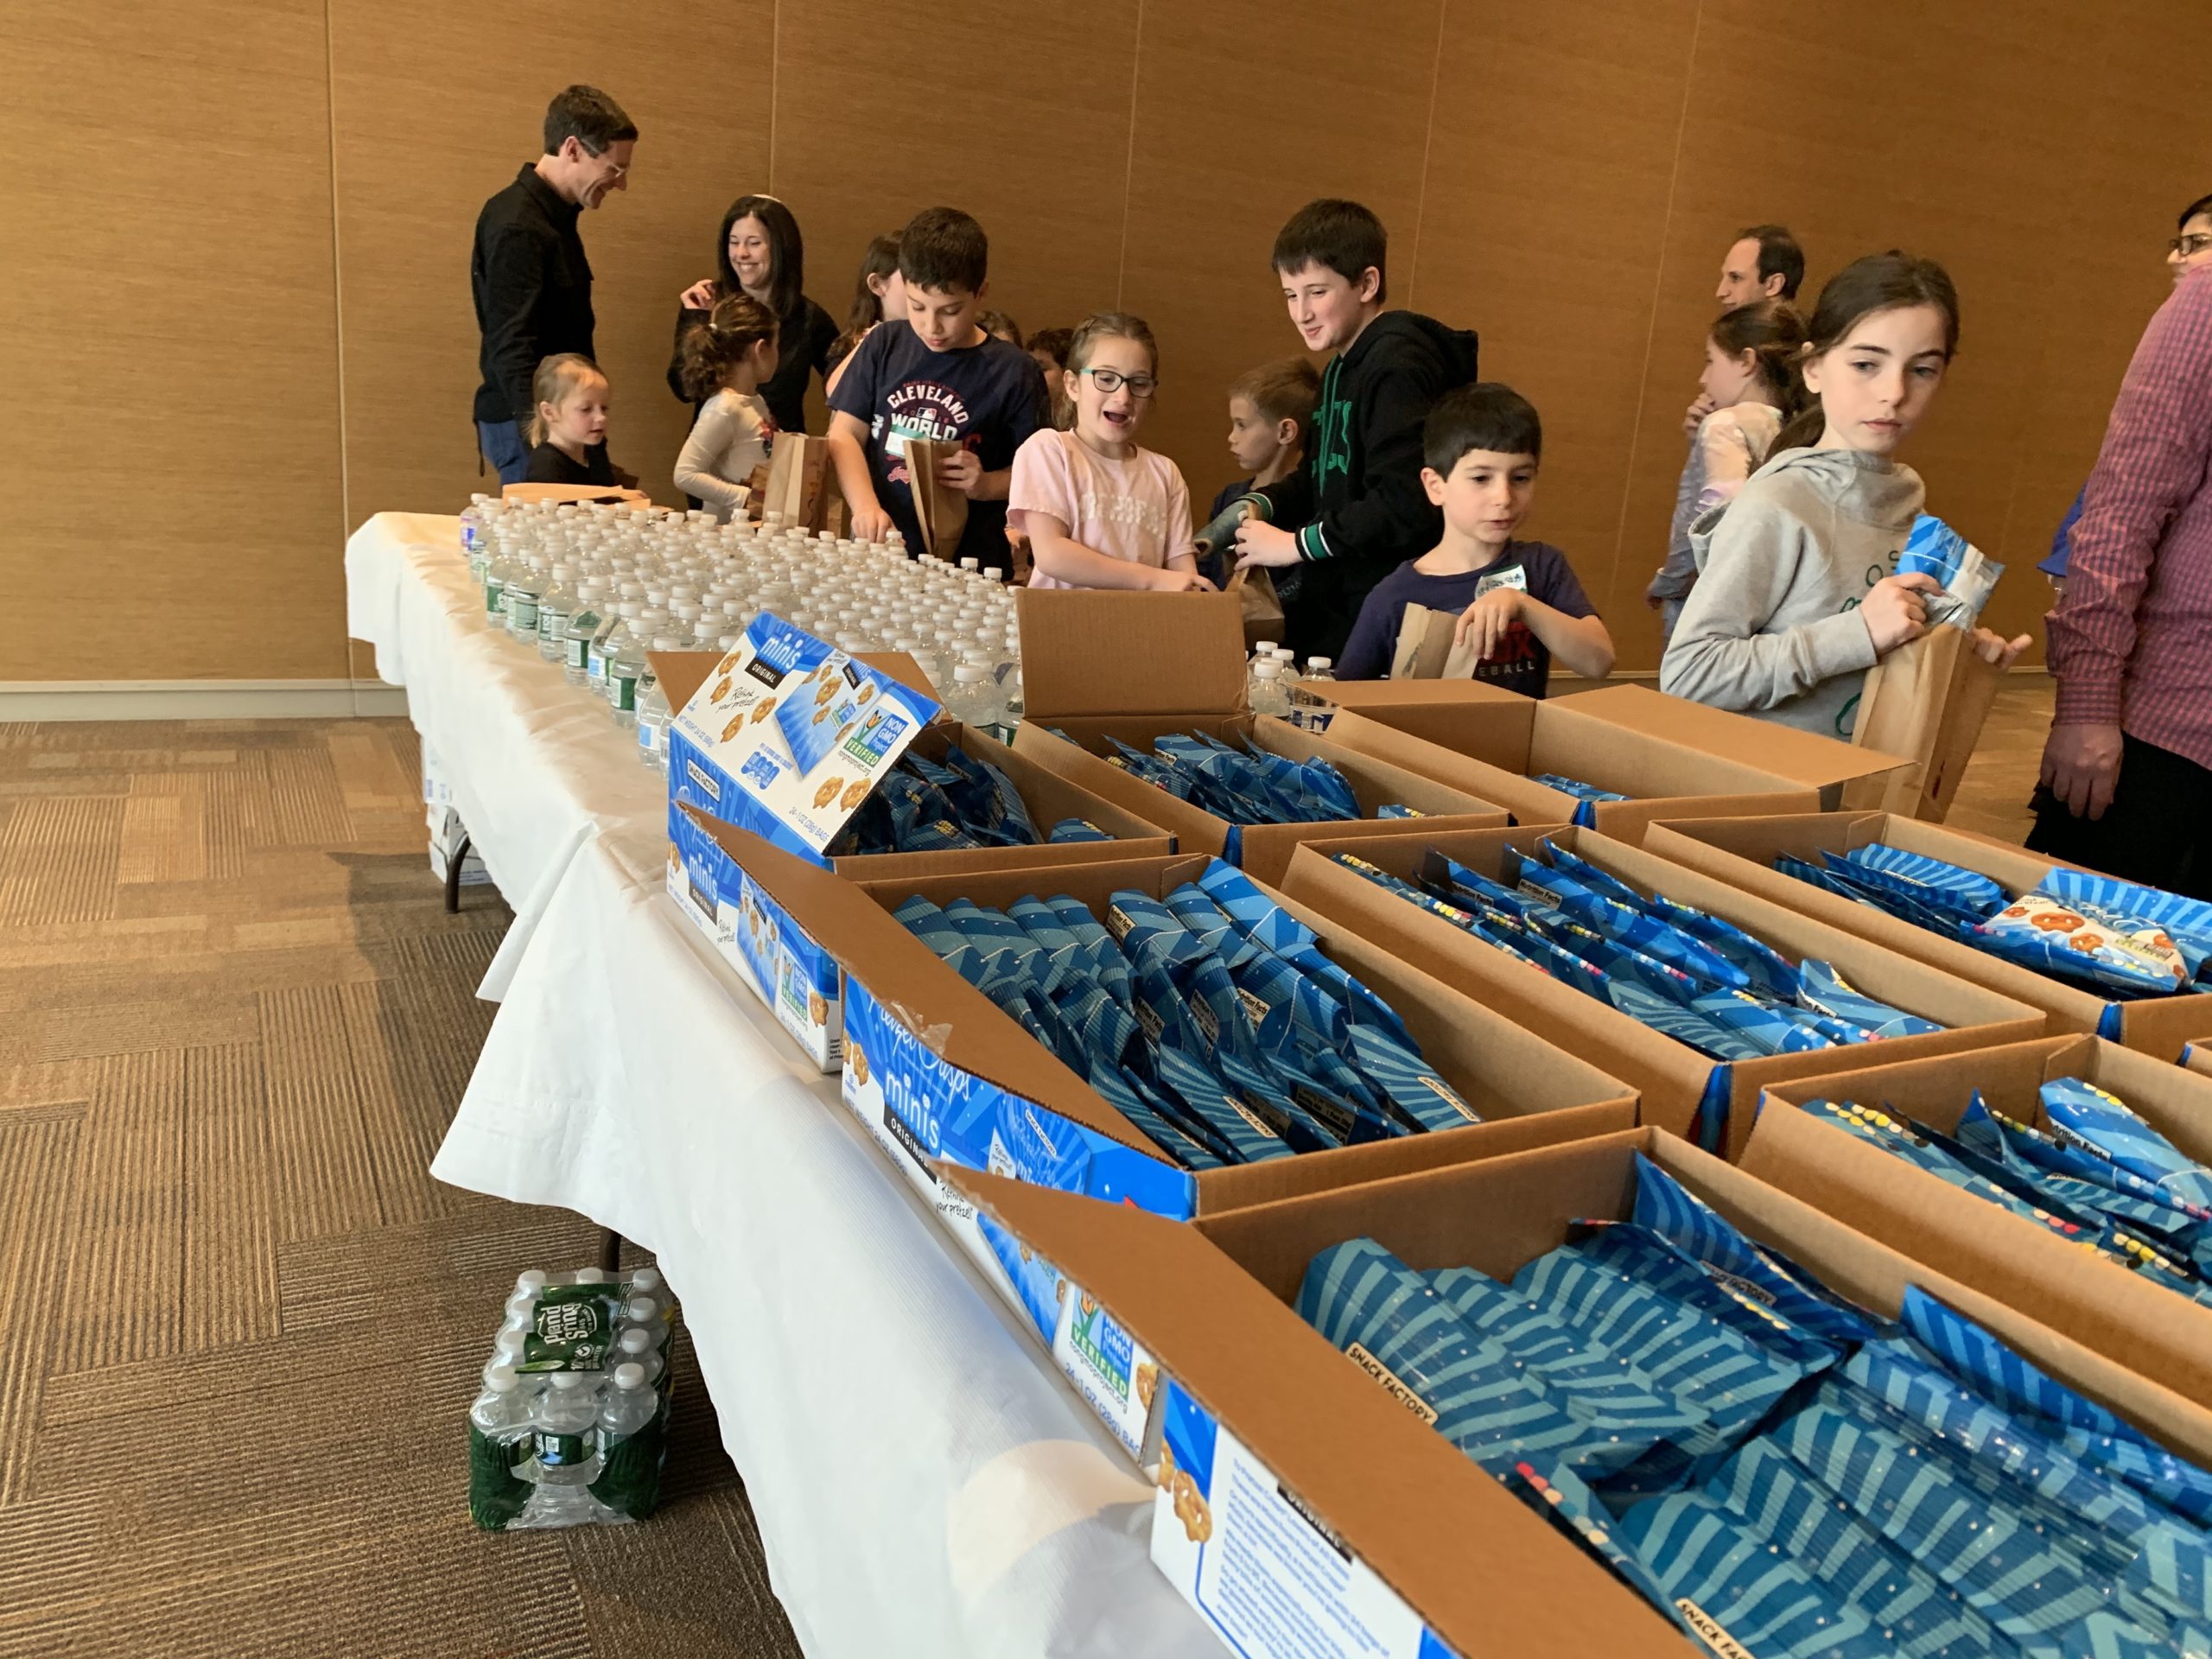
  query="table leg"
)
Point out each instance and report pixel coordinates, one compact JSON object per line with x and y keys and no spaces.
{"x":610,"y":1250}
{"x":453,"y":876}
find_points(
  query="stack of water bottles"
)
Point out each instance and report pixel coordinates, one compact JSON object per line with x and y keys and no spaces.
{"x":571,"y":1424}
{"x":1271,"y":686}
{"x":596,"y":587}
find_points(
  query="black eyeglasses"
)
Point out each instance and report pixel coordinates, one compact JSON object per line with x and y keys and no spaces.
{"x":2188,"y":247}
{"x":1110,"y":381}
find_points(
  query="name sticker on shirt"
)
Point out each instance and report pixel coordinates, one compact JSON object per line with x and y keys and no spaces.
{"x":1515,"y":577}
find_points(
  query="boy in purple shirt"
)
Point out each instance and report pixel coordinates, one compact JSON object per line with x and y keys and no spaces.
{"x":1519,"y":603}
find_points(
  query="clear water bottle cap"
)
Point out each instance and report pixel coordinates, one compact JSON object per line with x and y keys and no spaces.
{"x":1264,"y":648}
{"x":593,"y":1275}
{"x":501,"y":1379}
{"x":567,"y":1381}
{"x":639,"y":1309}
{"x":632,"y":1376}
{"x":530,"y":1279}
{"x":635,"y":1340}
{"x":1270,"y":669}
{"x":509,"y":1344}
{"x":971,"y":674}
{"x":646,"y":1279}
{"x":1315,"y":664}
{"x":667,"y":642}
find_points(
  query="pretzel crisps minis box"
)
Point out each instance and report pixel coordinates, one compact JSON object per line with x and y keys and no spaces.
{"x":787,"y":735}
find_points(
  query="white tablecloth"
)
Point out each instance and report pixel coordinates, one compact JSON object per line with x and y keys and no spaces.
{"x":925,"y":1483}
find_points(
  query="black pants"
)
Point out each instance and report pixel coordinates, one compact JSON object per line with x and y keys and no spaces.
{"x":2157,"y":829}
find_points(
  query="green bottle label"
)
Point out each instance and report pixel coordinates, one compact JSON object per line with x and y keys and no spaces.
{"x":524,"y":610}
{"x":576,"y":649}
{"x":625,"y":690}
{"x":491,"y":595}
{"x":561,"y":1451}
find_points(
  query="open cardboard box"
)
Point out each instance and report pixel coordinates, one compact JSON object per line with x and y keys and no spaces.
{"x":934,"y":1071}
{"x":1711,"y":1102}
{"x":1494,"y":750}
{"x":1808,"y":760}
{"x":2145,"y":1327}
{"x":796,"y":979}
{"x":1140,"y":666}
{"x":1742,"y":851}
{"x":1297,"y":1496}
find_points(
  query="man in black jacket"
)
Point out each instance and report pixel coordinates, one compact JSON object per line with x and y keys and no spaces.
{"x":528,"y":273}
{"x":1356,"y":510}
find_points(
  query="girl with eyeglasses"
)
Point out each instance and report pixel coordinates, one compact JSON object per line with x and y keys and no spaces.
{"x":1099,"y":510}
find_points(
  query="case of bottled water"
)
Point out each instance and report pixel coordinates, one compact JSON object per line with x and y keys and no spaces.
{"x":570,"y":1424}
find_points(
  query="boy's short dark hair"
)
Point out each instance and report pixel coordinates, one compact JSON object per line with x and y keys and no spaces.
{"x":1779,"y":256}
{"x":590,"y":116}
{"x":1339,"y":234}
{"x":1286,"y":390}
{"x":944,"y":249}
{"x":1490,"y":416}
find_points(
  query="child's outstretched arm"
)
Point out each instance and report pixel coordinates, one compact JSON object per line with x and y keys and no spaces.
{"x":1059,"y":555}
{"x":848,"y":442}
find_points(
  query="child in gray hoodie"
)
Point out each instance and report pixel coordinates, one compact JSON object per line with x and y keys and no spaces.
{"x":1795,"y":598}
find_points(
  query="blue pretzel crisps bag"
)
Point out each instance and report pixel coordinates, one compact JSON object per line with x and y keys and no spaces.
{"x":1212,"y":1017}
{"x":1778,"y":1471}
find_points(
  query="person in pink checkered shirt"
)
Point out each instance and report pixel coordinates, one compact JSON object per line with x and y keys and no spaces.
{"x":2127,"y":780}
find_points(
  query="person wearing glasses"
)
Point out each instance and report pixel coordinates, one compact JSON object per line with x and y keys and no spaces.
{"x":528,"y":273}
{"x":2127,"y":780}
{"x":2185,"y":252}
{"x":1099,"y":510}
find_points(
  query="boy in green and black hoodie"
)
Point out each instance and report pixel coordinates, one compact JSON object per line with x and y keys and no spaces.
{"x":1356,"y":510}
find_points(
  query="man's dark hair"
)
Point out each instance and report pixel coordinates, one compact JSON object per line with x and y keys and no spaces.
{"x":590,"y":116}
{"x":1490,"y":416}
{"x":1779,"y":256}
{"x":2201,"y":205}
{"x":944,"y":249}
{"x":1339,"y":234}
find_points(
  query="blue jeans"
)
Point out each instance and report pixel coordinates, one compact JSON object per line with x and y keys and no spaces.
{"x":501,"y":443}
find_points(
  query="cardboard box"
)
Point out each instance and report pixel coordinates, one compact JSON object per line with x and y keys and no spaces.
{"x":797,"y":981}
{"x":936,"y":1072}
{"x":2145,"y":1327}
{"x":1710,"y":1102}
{"x":1806,"y":758}
{"x":1139,"y":666}
{"x":1494,"y":749}
{"x":1742,"y":851}
{"x":1340,"y":1523}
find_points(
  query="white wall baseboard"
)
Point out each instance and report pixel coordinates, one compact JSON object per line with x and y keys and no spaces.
{"x":197,"y":699}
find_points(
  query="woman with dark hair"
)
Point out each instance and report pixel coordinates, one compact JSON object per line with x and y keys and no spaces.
{"x":758,"y":252}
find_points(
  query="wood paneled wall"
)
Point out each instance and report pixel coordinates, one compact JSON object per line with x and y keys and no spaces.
{"x":236,"y":272}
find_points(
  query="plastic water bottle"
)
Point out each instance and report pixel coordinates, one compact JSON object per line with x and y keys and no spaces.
{"x":564,"y":1453}
{"x":652,"y":712}
{"x":475,"y":545}
{"x":635,"y":1346}
{"x":495,"y":589}
{"x":555,"y":607}
{"x":1268,"y":696}
{"x":624,"y":671}
{"x":614,"y":631}
{"x":503,"y":1410}
{"x":626,"y":1408}
{"x":584,"y":622}
{"x":519,"y":602}
{"x":1311,"y":708}
{"x":966,"y":701}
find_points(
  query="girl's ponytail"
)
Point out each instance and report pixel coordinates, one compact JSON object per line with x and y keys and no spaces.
{"x":711,"y":349}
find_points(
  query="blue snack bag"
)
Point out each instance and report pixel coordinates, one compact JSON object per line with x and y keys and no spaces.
{"x":2106,"y":1121}
{"x":1826,"y":991}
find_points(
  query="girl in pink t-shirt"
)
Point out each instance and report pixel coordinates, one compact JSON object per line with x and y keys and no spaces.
{"x":1099,"y":511}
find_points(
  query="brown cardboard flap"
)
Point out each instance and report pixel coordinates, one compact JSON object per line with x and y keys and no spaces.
{"x":1387,"y":694}
{"x":1504,"y":781}
{"x":2141,"y":1325}
{"x":1481,"y":1570}
{"x":1086,"y":652}
{"x":1803,"y":757}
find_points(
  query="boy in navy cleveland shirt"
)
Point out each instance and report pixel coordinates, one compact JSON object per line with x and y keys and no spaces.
{"x":1519,"y":603}
{"x":936,"y":375}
